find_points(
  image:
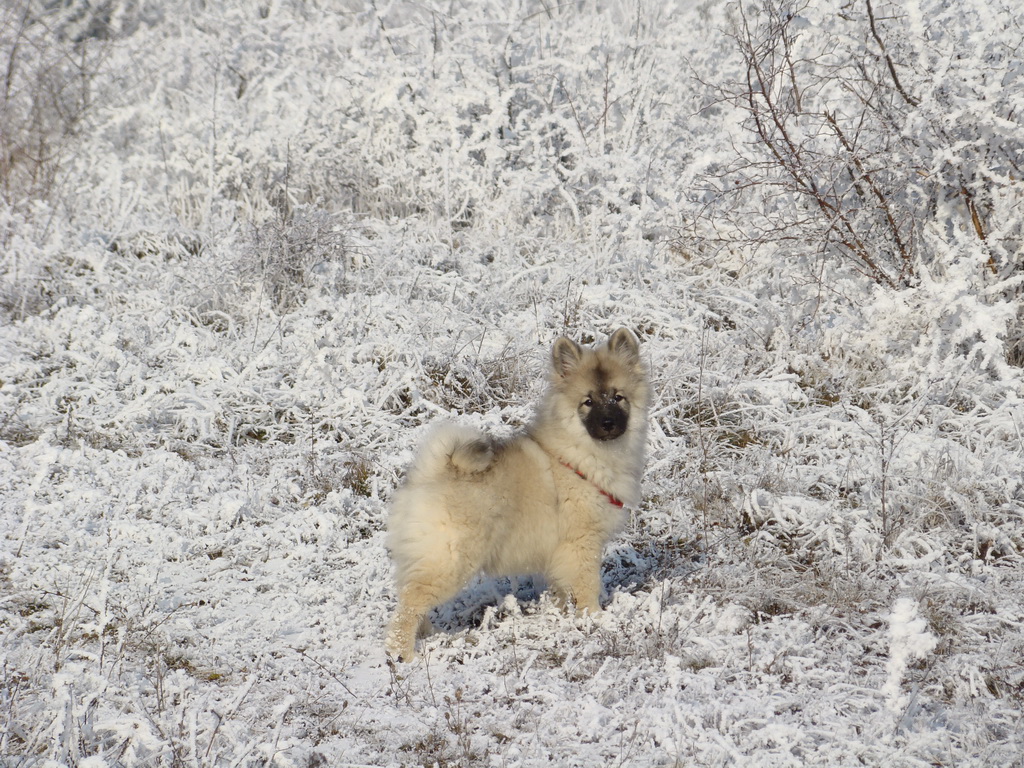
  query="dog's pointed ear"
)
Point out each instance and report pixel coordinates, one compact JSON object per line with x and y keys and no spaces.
{"x":565,"y":356}
{"x":625,"y":344}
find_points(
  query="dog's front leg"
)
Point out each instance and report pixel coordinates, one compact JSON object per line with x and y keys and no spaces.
{"x":575,"y":574}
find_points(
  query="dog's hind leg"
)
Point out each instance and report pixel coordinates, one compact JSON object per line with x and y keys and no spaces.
{"x":416,"y":596}
{"x":411,"y":614}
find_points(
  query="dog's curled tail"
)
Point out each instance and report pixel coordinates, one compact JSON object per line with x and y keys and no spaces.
{"x":451,"y":446}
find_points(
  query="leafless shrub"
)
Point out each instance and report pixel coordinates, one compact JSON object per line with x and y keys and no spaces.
{"x":863,"y":135}
{"x":46,"y":91}
{"x":287,"y":254}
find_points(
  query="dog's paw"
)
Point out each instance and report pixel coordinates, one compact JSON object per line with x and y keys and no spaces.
{"x":400,"y":650}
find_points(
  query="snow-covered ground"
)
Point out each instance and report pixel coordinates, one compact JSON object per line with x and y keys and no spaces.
{"x":261,"y":247}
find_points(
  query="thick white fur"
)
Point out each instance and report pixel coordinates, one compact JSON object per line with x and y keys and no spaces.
{"x":470,"y":504}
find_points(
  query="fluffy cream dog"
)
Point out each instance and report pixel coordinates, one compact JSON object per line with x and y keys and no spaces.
{"x":543,"y":502}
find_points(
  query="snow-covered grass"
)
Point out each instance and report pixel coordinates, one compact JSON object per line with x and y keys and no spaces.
{"x":268,"y":245}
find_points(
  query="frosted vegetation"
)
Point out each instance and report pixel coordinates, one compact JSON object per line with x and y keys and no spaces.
{"x":250,"y":250}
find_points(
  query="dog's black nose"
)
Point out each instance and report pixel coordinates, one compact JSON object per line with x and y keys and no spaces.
{"x":606,"y":422}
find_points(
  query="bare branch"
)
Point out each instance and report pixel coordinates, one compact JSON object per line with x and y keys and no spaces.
{"x":888,"y":59}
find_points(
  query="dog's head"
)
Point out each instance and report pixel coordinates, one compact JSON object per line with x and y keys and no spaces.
{"x":606,"y":383}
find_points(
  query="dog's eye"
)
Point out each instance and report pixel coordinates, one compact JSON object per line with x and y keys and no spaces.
{"x":619,"y":398}
{"x":588,"y":403}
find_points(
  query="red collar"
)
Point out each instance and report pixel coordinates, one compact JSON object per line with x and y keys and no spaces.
{"x":614,"y":501}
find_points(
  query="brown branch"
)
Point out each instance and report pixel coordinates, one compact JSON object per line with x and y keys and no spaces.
{"x":979,"y":227}
{"x":972,"y":207}
{"x":788,"y":158}
{"x":883,"y":202}
{"x":888,"y":59}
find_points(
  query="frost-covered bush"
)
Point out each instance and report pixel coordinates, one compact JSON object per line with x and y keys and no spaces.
{"x":876,"y":140}
{"x":870,"y":126}
{"x":535,"y":117}
{"x":286,"y":255}
{"x":45,"y":93}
